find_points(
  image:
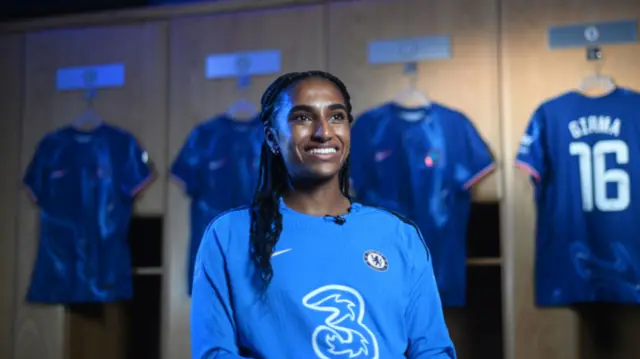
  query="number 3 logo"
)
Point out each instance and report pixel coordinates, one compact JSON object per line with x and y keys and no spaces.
{"x":594,"y":175}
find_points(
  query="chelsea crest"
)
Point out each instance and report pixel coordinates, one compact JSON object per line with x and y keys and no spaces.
{"x":376,"y":260}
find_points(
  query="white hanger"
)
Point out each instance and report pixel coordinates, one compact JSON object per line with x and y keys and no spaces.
{"x":89,"y":119}
{"x":412,"y":97}
{"x":242,"y":108}
{"x":597,"y":83}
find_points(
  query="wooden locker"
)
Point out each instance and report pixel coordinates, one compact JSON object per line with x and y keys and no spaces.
{"x":11,"y":48}
{"x":298,"y":33}
{"x":467,"y":82}
{"x":139,"y":107}
{"x":99,"y":331}
{"x":531,"y":74}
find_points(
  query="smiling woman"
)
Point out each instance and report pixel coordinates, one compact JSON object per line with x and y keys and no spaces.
{"x":312,"y":130}
{"x":347,"y":280}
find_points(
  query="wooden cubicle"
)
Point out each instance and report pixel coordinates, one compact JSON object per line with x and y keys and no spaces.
{"x":531,"y":73}
{"x":11,"y":48}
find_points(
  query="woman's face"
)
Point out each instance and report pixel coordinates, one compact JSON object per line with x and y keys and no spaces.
{"x":311,"y":130}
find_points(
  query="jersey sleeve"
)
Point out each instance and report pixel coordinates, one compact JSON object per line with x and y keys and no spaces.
{"x":36,"y":175}
{"x":213,"y":326}
{"x":476,"y":160}
{"x":428,"y":333}
{"x":137,"y":174}
{"x":530,"y":156}
{"x":185,"y":166}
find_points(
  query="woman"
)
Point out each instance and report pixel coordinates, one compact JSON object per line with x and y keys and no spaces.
{"x":304,"y":272}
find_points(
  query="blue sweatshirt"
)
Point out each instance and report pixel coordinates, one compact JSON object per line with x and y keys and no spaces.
{"x":360,"y":289}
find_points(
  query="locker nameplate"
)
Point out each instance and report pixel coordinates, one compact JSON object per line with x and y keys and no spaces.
{"x":246,"y":63}
{"x":90,"y":77}
{"x":409,"y":50}
{"x":592,"y":34}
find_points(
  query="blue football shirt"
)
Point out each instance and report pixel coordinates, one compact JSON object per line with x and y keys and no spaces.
{"x":421,"y":163}
{"x":84,"y":184}
{"x":218,"y":167}
{"x":363,"y":289}
{"x":583,"y":154}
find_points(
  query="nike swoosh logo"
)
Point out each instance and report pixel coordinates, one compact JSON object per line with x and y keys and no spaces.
{"x":382,"y":155}
{"x":277,"y":253}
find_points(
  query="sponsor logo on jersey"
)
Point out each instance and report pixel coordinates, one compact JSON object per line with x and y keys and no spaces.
{"x":343,"y":332}
{"x":283,"y":251}
{"x":217,"y":164}
{"x":382,"y":155}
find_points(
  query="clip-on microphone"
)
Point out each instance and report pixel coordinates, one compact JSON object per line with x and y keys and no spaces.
{"x":339,"y":220}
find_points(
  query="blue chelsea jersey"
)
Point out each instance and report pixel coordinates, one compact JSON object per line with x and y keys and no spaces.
{"x":362,"y":288}
{"x":218,"y":167}
{"x":583,"y":154}
{"x":421,"y":163}
{"x":84,"y":184}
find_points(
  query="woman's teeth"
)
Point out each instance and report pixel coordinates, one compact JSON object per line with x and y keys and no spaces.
{"x":322,"y":151}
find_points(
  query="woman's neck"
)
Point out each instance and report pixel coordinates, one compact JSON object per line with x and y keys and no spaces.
{"x":321,"y":200}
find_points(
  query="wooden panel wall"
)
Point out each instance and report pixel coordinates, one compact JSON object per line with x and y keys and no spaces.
{"x":530,"y":74}
{"x":11,"y":48}
{"x":298,"y":33}
{"x":139,"y":107}
{"x":500,"y":71}
{"x":467,"y":82}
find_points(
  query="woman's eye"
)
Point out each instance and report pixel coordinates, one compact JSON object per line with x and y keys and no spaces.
{"x":338,"y":117}
{"x":301,"y":118}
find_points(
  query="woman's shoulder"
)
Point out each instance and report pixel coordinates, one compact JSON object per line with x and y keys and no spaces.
{"x":407,"y":232}
{"x":379,"y":217}
{"x":385,"y":215}
{"x":231,"y":222}
{"x":228,"y":226}
{"x":233,"y":218}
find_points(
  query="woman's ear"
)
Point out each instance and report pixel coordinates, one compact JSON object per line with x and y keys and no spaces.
{"x":270,"y":137}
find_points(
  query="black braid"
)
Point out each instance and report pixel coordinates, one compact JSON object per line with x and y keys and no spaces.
{"x":266,"y":219}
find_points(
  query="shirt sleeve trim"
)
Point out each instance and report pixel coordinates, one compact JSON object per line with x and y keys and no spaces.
{"x":479,"y":175}
{"x":137,"y":189}
{"x":529,"y":169}
{"x":182,"y":183}
{"x":31,"y":194}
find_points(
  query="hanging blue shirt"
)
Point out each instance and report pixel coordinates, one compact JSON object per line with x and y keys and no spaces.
{"x":583,"y":155}
{"x":84,"y":184}
{"x":218,"y":167}
{"x":421,"y":163}
{"x":361,"y":289}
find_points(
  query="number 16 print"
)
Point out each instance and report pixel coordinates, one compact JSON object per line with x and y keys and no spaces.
{"x":594,"y":175}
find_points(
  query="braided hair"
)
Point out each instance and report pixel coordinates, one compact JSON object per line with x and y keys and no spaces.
{"x":266,"y":219}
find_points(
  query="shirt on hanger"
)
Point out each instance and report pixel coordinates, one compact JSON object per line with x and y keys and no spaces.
{"x":421,"y":163}
{"x":218,"y":166}
{"x":583,"y":154}
{"x":84,"y":183}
